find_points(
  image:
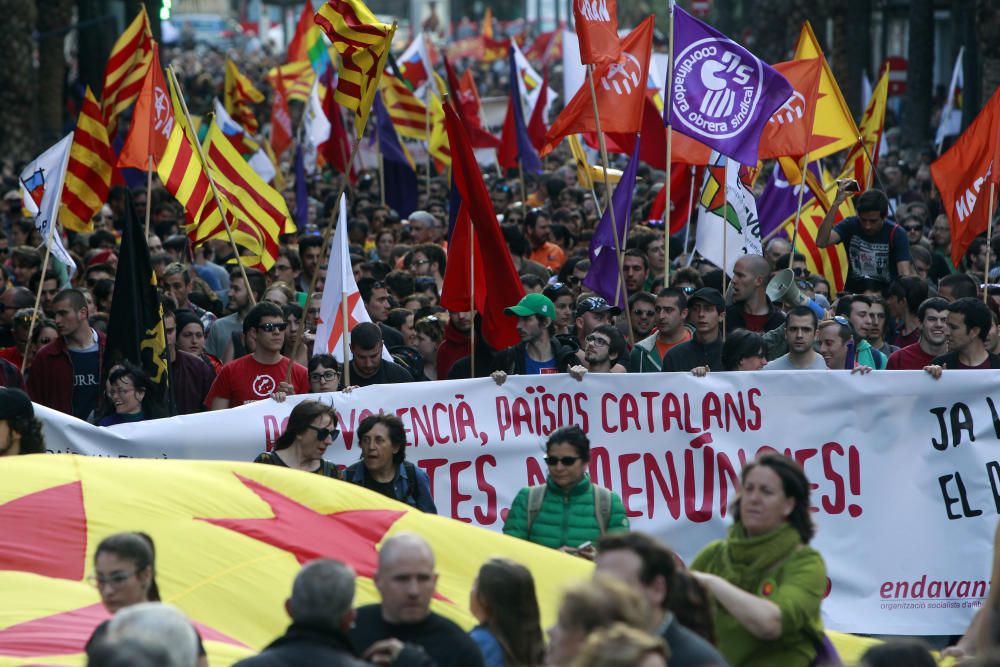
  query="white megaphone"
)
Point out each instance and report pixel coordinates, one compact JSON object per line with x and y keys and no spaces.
{"x":783,"y":288}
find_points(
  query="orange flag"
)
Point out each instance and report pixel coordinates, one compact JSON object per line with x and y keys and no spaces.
{"x":963,"y":171}
{"x":788,"y":131}
{"x":281,"y":121}
{"x":620,"y":90}
{"x":152,"y":121}
{"x":597,"y":28}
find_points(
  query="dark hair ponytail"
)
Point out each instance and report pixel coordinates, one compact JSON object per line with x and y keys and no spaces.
{"x":137,"y":547}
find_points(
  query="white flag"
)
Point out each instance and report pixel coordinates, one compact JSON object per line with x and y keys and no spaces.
{"x":316,"y":128}
{"x":41,"y":190}
{"x":574,"y":72}
{"x":340,"y":285}
{"x":951,"y":114}
{"x":728,"y":226}
{"x":529,"y":84}
{"x":416,"y":68}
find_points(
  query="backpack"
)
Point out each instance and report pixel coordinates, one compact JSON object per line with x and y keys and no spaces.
{"x":602,"y":505}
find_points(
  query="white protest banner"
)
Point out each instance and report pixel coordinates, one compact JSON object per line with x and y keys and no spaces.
{"x":905,"y":469}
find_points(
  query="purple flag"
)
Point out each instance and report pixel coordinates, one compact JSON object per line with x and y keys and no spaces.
{"x":603,"y":274}
{"x":720,"y":93}
{"x":400,"y":178}
{"x":525,"y":149}
{"x":778,"y":200}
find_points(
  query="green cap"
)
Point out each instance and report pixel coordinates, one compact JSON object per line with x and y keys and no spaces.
{"x":533,"y":304}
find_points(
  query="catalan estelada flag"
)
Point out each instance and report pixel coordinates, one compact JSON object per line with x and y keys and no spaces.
{"x":123,"y":75}
{"x":363,"y":43}
{"x":833,"y":125}
{"x":226,"y":558}
{"x":88,"y":174}
{"x":257,"y":212}
{"x":239,"y":96}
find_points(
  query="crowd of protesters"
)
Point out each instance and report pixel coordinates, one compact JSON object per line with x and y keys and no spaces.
{"x":906,"y":306}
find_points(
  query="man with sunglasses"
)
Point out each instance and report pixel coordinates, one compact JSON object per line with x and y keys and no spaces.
{"x":261,"y":373}
{"x":11,"y":300}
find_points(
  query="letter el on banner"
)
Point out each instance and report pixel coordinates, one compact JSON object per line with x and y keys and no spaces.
{"x":905,"y":508}
{"x":597,"y":27}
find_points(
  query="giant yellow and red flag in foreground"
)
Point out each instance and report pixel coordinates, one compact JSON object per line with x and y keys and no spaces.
{"x":227,"y":559}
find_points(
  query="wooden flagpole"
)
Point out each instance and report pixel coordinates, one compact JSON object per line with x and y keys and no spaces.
{"x":381,"y":166}
{"x":345,"y":348}
{"x":989,"y":241}
{"x":609,"y":204}
{"x":725,"y":227}
{"x":798,"y":210}
{"x":149,"y":191}
{"x":472,"y":300}
{"x":687,"y":229}
{"x":38,"y":297}
{"x":666,"y":181}
{"x":211,"y":182}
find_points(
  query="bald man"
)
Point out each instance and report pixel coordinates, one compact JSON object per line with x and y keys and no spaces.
{"x":751,"y":308}
{"x":406,"y":580}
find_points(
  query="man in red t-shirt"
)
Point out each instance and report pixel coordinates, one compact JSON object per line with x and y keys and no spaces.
{"x":933,"y":341}
{"x":261,"y":373}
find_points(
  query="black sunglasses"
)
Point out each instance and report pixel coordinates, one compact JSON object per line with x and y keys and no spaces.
{"x":324,"y":433}
{"x":273,"y":326}
{"x":565,"y":460}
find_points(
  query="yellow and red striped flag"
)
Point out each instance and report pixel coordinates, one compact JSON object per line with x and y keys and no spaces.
{"x":88,"y":173}
{"x":408,"y":113}
{"x":363,"y":43}
{"x":259,"y":211}
{"x":239,"y":96}
{"x":297,"y":79}
{"x":126,"y":69}
{"x":438,"y":145}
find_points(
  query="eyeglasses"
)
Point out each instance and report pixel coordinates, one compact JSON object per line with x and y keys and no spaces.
{"x":688,"y":290}
{"x":272,"y":326}
{"x":565,"y":460}
{"x":420,"y":262}
{"x":324,"y":433}
{"x":325,"y":376}
{"x":597,"y":340}
{"x":115,"y":579}
{"x":913,"y":228}
{"x":643,"y":313}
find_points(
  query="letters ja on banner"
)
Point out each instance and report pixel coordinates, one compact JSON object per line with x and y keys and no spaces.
{"x":906,"y":482}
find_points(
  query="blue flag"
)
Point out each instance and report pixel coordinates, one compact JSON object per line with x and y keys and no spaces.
{"x":603,"y":274}
{"x":525,"y":149}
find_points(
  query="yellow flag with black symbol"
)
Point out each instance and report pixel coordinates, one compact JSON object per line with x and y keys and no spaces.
{"x":135,"y":324}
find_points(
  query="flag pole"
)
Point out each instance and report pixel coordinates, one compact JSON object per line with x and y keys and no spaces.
{"x":666,"y":180}
{"x":687,"y":229}
{"x":798,"y":211}
{"x":328,"y":229}
{"x":149,"y":190}
{"x":343,"y":339}
{"x":38,"y":297}
{"x":609,"y":204}
{"x":725,"y":228}
{"x":211,"y":182}
{"x":381,"y":166}
{"x":989,"y":241}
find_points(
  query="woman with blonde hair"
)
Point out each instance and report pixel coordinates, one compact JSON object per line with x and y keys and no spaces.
{"x":623,"y":646}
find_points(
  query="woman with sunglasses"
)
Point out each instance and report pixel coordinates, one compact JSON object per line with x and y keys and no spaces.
{"x":312,"y":427}
{"x":125,"y":575}
{"x":568,"y":512}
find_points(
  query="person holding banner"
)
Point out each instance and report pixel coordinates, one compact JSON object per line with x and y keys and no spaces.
{"x":568,"y":512}
{"x":767,"y":580}
{"x":383,"y":467}
{"x":312,"y":428}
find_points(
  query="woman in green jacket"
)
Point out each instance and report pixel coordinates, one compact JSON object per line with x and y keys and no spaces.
{"x":769,"y":584}
{"x":567,"y":512}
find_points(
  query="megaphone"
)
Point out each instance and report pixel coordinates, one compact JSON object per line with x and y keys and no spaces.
{"x":783,"y":288}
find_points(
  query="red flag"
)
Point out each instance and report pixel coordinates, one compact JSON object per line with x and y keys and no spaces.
{"x":507,"y":151}
{"x":297,"y":48}
{"x":653,"y":150}
{"x":151,"y":122}
{"x":789,"y":130}
{"x":597,"y":27}
{"x":455,"y":289}
{"x":536,"y":125}
{"x":620,"y":91}
{"x":336,"y":150}
{"x":682,"y":197}
{"x":963,"y":171}
{"x":505,"y":287}
{"x":540,"y":47}
{"x":466,"y":102}
{"x":281,"y":121}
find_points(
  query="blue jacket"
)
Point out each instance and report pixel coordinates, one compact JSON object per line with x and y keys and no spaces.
{"x":420,"y":497}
